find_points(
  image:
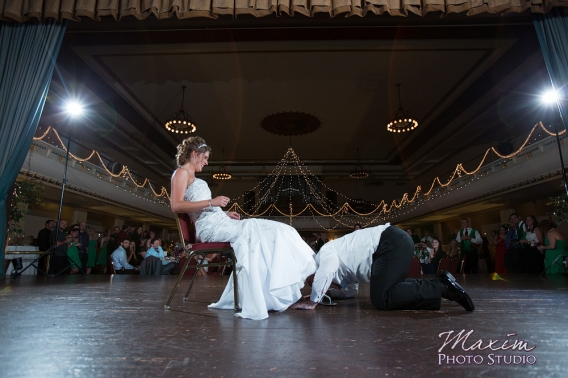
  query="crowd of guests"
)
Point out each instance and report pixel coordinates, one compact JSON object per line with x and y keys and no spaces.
{"x":79,"y":248}
{"x":529,"y":246}
{"x":520,"y":247}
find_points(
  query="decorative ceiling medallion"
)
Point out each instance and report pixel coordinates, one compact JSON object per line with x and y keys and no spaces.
{"x":290,"y":123}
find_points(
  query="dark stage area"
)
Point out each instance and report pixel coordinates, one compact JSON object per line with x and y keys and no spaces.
{"x":116,"y":326}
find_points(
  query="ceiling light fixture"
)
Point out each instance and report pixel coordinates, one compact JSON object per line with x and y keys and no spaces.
{"x":180,"y":122}
{"x":359,"y":172}
{"x":222,"y":174}
{"x":401,"y":121}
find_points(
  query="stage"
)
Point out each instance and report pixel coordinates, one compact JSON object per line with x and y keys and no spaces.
{"x":116,"y":326}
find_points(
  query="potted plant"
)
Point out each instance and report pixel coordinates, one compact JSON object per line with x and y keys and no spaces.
{"x":26,"y":194}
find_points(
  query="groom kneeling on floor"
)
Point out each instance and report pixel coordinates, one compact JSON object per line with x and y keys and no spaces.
{"x":380,"y":255}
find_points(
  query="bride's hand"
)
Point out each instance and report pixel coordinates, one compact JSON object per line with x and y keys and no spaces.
{"x":220,"y":201}
{"x":233,"y":215}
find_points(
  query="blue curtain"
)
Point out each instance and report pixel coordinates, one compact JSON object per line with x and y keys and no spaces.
{"x":552,"y":31}
{"x":27,"y":57}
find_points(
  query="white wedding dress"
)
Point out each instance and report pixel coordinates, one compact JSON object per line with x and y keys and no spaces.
{"x":272,"y":260}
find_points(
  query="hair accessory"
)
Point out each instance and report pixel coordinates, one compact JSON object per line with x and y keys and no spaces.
{"x":201,"y":145}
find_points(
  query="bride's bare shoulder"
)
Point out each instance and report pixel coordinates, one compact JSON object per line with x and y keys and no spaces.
{"x":182,"y":175}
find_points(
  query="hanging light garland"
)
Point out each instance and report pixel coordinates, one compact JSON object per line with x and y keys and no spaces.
{"x":345,"y":215}
{"x":124,"y":172}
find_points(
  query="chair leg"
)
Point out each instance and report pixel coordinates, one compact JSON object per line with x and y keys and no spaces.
{"x":173,"y":293}
{"x":235,"y":287}
{"x":192,"y":280}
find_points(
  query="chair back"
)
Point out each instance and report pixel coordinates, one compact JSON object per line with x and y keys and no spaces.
{"x":110,"y":265}
{"x":462,"y":267}
{"x":414,"y":271}
{"x":186,"y":228}
{"x":444,"y":264}
{"x":454,"y":265}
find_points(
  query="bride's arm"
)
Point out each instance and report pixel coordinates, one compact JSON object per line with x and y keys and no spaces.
{"x":180,"y":181}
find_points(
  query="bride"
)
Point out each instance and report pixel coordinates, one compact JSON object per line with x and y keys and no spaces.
{"x":272,"y":259}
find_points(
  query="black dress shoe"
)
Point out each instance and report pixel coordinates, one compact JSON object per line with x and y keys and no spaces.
{"x":455,"y":292}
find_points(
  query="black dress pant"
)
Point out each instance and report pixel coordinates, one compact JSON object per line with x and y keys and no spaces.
{"x":512,"y":261}
{"x":59,"y":264}
{"x":390,"y":290}
{"x":471,"y":260}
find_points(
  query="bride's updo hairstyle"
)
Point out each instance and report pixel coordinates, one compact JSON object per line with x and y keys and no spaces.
{"x":185,"y":148}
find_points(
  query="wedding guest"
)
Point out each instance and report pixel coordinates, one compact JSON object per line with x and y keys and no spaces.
{"x":156,"y":251}
{"x":427,"y":239}
{"x":500,"y":244}
{"x":43,"y":240}
{"x":469,"y":240}
{"x":84,"y":245}
{"x":532,"y":258}
{"x":136,"y":239}
{"x":43,"y":235}
{"x":91,"y":250}
{"x":73,"y":253}
{"x":436,"y":254}
{"x":103,"y":250}
{"x":60,"y":262}
{"x":415,"y":238}
{"x":121,"y":265}
{"x":554,"y":248}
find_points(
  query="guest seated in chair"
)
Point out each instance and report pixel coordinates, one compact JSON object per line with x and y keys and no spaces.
{"x":436,"y":254}
{"x":121,"y":265}
{"x":156,"y":251}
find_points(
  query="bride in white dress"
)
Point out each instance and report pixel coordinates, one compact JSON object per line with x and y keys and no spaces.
{"x":272,"y":259}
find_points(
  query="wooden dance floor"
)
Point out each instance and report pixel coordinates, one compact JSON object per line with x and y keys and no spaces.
{"x":116,"y":326}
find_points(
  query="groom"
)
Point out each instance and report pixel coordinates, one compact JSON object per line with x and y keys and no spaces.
{"x":381,"y":255}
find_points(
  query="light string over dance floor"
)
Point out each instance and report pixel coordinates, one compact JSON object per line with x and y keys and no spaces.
{"x":292,"y":183}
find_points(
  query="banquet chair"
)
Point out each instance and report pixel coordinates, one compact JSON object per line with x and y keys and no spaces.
{"x":453,"y":265}
{"x":110,"y":265}
{"x":462,"y":266}
{"x":444,"y":264}
{"x":415,"y":268}
{"x":186,"y":230}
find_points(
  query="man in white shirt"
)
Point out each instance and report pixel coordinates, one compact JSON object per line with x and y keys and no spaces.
{"x":469,"y":239}
{"x":382,"y":256}
{"x":427,"y":239}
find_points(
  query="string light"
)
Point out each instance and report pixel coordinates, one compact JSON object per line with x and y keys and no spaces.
{"x":291,"y":165}
{"x":124,"y":172}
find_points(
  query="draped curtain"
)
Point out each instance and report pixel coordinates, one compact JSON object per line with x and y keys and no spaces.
{"x":552,"y":31}
{"x":27,"y":57}
{"x":21,"y":11}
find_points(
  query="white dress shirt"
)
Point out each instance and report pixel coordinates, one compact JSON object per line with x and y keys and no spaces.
{"x":347,"y":260}
{"x":476,"y":239}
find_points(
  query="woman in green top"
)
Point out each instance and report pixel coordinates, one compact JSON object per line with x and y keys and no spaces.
{"x":92,"y":250}
{"x":102,"y":258}
{"x":73,"y":251}
{"x":555,"y":245}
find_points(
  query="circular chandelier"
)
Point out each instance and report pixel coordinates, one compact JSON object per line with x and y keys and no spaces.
{"x":359,"y":172}
{"x":180,"y":122}
{"x":401,"y":121}
{"x":222,"y":174}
